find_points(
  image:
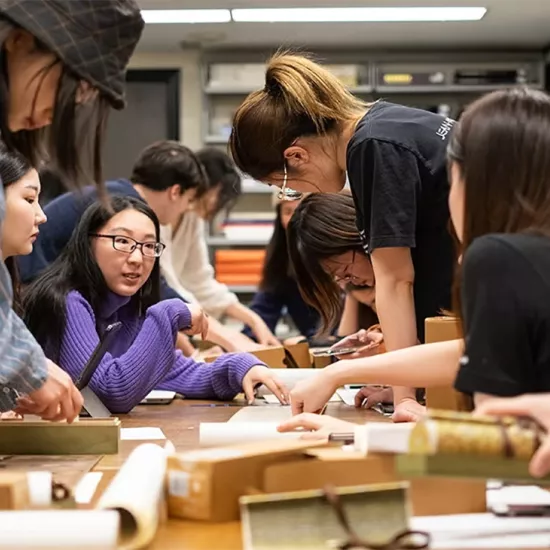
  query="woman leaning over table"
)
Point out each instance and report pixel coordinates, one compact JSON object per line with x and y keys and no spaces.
{"x":62,"y":65}
{"x":500,"y":207}
{"x":305,"y":131}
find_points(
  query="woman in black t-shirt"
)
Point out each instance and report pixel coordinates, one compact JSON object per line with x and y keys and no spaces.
{"x":500,"y":208}
{"x":304,"y":131}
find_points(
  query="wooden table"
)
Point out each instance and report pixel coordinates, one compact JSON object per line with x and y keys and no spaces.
{"x":180,"y":423}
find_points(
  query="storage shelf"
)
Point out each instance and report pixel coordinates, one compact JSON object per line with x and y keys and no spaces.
{"x":245,"y":90}
{"x":243,"y":289}
{"x":224,"y":241}
{"x":451,"y":88}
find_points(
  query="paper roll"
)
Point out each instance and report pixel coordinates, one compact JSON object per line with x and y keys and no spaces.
{"x":136,"y":493}
{"x":289,"y":377}
{"x":383,"y":437}
{"x":53,"y":529}
{"x":40,"y":488}
{"x":217,"y":434}
{"x":263,"y":413}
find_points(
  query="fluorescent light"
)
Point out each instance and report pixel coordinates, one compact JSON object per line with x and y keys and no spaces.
{"x":333,"y":15}
{"x":186,"y":16}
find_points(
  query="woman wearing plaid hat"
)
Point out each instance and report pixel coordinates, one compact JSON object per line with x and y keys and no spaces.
{"x":62,"y":66}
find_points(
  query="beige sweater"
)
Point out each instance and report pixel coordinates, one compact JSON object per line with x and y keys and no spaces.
{"x":186,"y":266}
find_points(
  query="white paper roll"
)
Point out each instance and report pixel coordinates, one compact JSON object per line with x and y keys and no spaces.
{"x":40,"y":488}
{"x":136,"y":492}
{"x":52,"y":529}
{"x":290,"y":377}
{"x":263,"y":413}
{"x":383,"y":437}
{"x":214,"y":434}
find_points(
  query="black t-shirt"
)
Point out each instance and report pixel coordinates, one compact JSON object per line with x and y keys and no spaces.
{"x":397,"y":169}
{"x":506,"y":308}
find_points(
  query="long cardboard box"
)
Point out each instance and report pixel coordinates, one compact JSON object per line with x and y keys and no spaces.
{"x":443,"y":329}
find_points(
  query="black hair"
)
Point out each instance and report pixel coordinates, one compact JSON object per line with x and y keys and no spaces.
{"x":52,"y":185}
{"x":13,"y":167}
{"x":75,"y":153}
{"x":277,"y":267}
{"x":221,"y":172}
{"x":166,"y":163}
{"x":76,"y":269}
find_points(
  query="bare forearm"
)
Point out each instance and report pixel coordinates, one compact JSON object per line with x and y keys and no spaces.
{"x":228,"y":339}
{"x":425,"y":365}
{"x":350,"y":317}
{"x":242,"y":313}
{"x":395,"y":307}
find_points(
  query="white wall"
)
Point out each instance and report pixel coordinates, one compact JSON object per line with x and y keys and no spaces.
{"x":188,"y":62}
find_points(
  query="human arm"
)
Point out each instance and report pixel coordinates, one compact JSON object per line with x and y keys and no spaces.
{"x":122,"y":382}
{"x":349,"y":322}
{"x":497,"y":301}
{"x":316,"y":426}
{"x":269,"y":307}
{"x":394,"y":275}
{"x":424,"y":365}
{"x":256,"y":323}
{"x":534,"y":406}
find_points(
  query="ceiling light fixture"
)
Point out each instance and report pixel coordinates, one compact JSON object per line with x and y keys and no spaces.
{"x":186,"y":16}
{"x":335,"y":15}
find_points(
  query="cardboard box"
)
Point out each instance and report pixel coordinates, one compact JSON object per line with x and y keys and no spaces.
{"x":275,"y":358}
{"x":344,"y":468}
{"x":207,"y":484}
{"x":14,"y":491}
{"x":443,"y":329}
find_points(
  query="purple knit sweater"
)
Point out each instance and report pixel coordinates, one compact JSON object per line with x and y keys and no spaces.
{"x":142,"y":356}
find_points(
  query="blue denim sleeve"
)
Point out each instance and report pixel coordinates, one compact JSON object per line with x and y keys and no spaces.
{"x":22,"y":361}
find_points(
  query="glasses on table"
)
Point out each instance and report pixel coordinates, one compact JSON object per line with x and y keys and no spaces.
{"x":149,"y":249}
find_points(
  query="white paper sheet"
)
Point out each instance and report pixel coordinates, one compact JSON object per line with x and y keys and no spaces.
{"x":347,"y":396}
{"x":161,"y":396}
{"x":85,"y":490}
{"x":217,"y":434}
{"x":141,"y":434}
{"x":262,"y":413}
{"x":136,"y":492}
{"x":52,"y":529}
{"x":484,"y":531}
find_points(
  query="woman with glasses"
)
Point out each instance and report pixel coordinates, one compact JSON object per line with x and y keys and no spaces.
{"x":109,"y":272}
{"x":304,"y":132}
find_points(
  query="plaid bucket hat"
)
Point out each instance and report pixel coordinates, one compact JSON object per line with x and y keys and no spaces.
{"x":94,"y":38}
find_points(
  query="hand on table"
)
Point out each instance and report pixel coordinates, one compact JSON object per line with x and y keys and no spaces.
{"x":58,"y":399}
{"x":317,"y":426}
{"x":260,"y":374}
{"x":264,"y":336}
{"x":534,"y":406}
{"x":408,"y":410}
{"x":311,"y":395}
{"x":369,"y":396}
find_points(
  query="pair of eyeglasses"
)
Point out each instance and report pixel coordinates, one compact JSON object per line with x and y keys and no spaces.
{"x":150,"y":249}
{"x":346,"y":277}
{"x":287,"y":194}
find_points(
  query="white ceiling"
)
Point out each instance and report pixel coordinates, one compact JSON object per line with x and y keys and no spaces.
{"x":508,"y":24}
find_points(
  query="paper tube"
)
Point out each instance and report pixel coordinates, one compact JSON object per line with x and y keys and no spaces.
{"x":263,"y":413}
{"x":444,"y":433}
{"x":136,"y":493}
{"x":289,"y":377}
{"x":382,"y":437}
{"x":217,"y":434}
{"x":53,"y":529}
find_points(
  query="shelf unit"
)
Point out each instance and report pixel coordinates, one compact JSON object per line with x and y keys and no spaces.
{"x":443,"y":82}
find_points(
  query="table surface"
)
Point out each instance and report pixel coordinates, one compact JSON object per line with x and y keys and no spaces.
{"x":180,"y":423}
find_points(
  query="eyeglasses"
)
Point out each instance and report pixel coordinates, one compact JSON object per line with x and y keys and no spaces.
{"x":150,"y":249}
{"x":287,"y":194}
{"x":346,"y":277}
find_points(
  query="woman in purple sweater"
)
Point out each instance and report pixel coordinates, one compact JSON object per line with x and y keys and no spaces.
{"x":109,"y":272}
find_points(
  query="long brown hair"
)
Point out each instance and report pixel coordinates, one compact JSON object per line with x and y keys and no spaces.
{"x":322,"y":227}
{"x":300,"y":98}
{"x":501,"y":146}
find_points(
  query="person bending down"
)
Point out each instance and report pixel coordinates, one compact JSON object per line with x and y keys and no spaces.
{"x":109,"y":272}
